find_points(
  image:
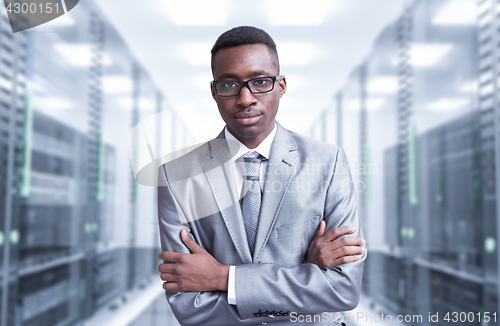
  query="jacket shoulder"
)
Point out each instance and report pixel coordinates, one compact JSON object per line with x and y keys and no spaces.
{"x":185,"y":162}
{"x":315,"y":147}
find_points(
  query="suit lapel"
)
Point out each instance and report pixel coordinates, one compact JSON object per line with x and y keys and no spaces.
{"x":219,"y":172}
{"x":282,"y":161}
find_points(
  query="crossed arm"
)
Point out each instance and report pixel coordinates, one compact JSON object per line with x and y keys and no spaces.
{"x":201,"y":272}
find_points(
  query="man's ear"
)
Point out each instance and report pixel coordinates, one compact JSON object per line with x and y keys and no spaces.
{"x":282,"y":85}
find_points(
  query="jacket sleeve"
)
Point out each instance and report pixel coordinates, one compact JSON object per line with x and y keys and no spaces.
{"x":306,"y":288}
{"x":190,"y":308}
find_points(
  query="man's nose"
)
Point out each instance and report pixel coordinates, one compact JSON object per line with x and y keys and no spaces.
{"x":246,"y":98}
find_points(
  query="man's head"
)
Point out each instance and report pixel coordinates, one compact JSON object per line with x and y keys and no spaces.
{"x":243,"y":35}
{"x":241,"y":54}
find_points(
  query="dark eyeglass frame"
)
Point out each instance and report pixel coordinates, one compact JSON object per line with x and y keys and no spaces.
{"x":243,"y":83}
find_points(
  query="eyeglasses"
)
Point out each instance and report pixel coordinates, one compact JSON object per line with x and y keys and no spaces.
{"x":255,"y":85}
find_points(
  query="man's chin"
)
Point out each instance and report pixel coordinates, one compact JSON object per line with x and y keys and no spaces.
{"x":251,"y":131}
{"x":249,"y":134}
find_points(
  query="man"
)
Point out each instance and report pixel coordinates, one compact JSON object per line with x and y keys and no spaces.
{"x":244,"y":217}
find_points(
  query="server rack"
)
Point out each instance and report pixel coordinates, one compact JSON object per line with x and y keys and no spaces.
{"x":106,"y":286}
{"x":440,"y":170}
{"x":452,"y":294}
{"x":351,"y":108}
{"x":488,"y":104}
{"x":392,"y":225}
{"x":13,"y":60}
{"x":448,"y":205}
{"x":49,"y":214}
{"x":143,"y":252}
{"x":63,"y":255}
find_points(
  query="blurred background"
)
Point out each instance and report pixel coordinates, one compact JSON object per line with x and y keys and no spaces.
{"x":408,"y":88}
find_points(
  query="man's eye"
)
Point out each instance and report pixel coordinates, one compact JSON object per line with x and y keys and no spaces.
{"x":228,"y":85}
{"x":259,"y":82}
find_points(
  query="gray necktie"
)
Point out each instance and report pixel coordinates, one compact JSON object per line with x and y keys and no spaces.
{"x":252,"y":196}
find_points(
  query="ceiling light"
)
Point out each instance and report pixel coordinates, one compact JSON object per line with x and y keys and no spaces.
{"x":52,"y":103}
{"x":116,"y":84}
{"x":372,"y":104}
{"x":457,"y":12}
{"x":296,"y":54}
{"x":426,"y":55}
{"x":6,"y":83}
{"x":197,"y":54}
{"x":79,"y":55}
{"x":383,"y":85}
{"x":290,"y":54}
{"x":144,"y":103}
{"x":298,"y":12}
{"x":197,"y":12}
{"x":447,"y":104}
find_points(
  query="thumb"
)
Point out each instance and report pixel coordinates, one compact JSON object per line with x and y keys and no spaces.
{"x":321,"y":229}
{"x":190,"y":243}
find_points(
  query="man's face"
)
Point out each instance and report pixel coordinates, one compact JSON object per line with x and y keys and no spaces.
{"x":249,"y":117}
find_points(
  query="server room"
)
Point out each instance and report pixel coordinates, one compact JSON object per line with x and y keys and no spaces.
{"x":96,"y":97}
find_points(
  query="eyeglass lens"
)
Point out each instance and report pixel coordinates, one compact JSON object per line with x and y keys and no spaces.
{"x":257,"y":85}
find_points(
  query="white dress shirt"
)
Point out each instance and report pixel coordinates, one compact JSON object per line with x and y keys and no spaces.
{"x":263,"y":149}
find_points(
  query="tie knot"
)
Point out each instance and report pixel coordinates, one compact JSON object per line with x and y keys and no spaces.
{"x":252,"y":162}
{"x":253,"y":155}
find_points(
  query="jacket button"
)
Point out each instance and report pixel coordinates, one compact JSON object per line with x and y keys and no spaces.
{"x":258,"y":314}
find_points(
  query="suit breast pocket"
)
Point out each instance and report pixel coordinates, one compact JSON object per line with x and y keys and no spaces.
{"x":294,"y":229}
{"x":292,"y":240}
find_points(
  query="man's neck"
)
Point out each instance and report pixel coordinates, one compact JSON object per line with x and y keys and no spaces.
{"x":252,"y":143}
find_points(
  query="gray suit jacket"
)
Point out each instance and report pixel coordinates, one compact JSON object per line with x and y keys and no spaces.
{"x":306,"y":181}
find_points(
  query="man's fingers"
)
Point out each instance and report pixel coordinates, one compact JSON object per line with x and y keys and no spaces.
{"x":347,"y":251}
{"x":190,"y":243}
{"x":346,"y":241}
{"x":166,"y":255}
{"x":334,"y":233}
{"x":168,"y":277}
{"x":344,"y":260}
{"x":342,"y":255}
{"x":170,"y":256}
{"x":167,"y":268}
{"x":171,"y":286}
{"x":321,"y":230}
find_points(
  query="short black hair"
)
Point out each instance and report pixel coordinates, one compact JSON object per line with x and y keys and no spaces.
{"x":242,"y":35}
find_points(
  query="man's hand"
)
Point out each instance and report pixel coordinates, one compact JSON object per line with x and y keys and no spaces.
{"x":196,"y":272}
{"x":328,"y":250}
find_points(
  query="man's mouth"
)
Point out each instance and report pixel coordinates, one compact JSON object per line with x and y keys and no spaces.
{"x":248,"y":118}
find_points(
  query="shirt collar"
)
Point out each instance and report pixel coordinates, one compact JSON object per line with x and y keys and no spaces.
{"x":264,"y":148}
